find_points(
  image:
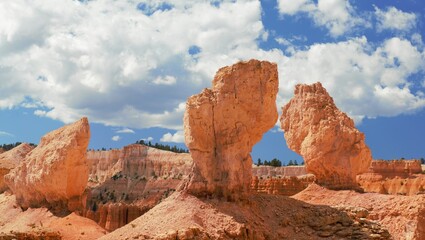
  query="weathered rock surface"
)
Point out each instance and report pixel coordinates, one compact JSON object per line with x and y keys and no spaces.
{"x":396,"y":168}
{"x":54,"y":173}
{"x":332,"y":148}
{"x":223,"y":123}
{"x":403,"y":216}
{"x":287,"y":171}
{"x":10,"y":159}
{"x":286,"y":186}
{"x":125,"y":183}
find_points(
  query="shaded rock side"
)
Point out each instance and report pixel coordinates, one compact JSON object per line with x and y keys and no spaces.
{"x":332,"y":148}
{"x":54,"y":173}
{"x":10,"y":159}
{"x":223,"y":123}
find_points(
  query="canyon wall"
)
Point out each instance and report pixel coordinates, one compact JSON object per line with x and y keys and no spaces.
{"x":286,"y":186}
{"x":397,"y":177}
{"x":223,"y":123}
{"x":125,"y":183}
{"x":286,"y":171}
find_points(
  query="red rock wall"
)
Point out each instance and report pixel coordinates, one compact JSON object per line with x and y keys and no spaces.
{"x":400,"y":168}
{"x":286,"y":186}
{"x":268,"y":171}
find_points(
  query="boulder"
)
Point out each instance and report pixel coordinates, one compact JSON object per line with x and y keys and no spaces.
{"x":54,"y":173}
{"x":223,"y":123}
{"x":10,"y":159}
{"x":332,"y":148}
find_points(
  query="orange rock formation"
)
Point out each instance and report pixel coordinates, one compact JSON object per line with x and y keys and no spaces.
{"x":222,"y":125}
{"x":333,"y":149}
{"x":287,"y":171}
{"x":55,"y":172}
{"x":10,"y":159}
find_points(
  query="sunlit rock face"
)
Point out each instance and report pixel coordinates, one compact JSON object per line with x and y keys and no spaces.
{"x":54,"y":173}
{"x":332,"y":148}
{"x":223,"y":123}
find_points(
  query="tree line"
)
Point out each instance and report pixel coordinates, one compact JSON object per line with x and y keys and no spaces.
{"x":277,"y":163}
{"x":163,"y":146}
{"x":10,"y":146}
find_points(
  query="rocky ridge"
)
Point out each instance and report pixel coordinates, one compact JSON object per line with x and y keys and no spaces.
{"x":223,"y":123}
{"x":332,"y":148}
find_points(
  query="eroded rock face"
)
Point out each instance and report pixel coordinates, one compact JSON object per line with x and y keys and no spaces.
{"x":332,"y":148}
{"x":223,"y":123}
{"x":54,"y":173}
{"x":125,"y":183}
{"x":10,"y":159}
{"x":286,"y":186}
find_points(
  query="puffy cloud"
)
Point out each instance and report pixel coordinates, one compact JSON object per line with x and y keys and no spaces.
{"x":338,"y":16}
{"x":394,"y":19}
{"x":121,"y":63}
{"x":364,"y":80}
{"x":177,"y":137}
{"x":115,"y":138}
{"x":166,"y":80}
{"x":125,"y":130}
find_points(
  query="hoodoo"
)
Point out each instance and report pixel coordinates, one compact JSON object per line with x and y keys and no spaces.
{"x":332,"y":148}
{"x":223,"y":123}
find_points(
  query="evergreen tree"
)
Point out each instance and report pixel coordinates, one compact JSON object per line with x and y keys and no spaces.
{"x":259,"y":162}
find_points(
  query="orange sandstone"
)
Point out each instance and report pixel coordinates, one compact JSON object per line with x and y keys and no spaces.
{"x":332,"y":148}
{"x":54,"y":173}
{"x":223,"y":123}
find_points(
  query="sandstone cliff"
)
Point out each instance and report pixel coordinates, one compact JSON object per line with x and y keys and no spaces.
{"x":287,"y":171}
{"x":397,"y":177}
{"x":10,"y":159}
{"x":332,"y":148}
{"x":55,"y":172}
{"x":125,"y":183}
{"x":286,"y":186}
{"x":223,"y":123}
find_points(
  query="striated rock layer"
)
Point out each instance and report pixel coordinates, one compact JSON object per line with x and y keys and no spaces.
{"x":55,"y":172}
{"x":223,"y":123}
{"x":397,"y":177}
{"x":286,"y":171}
{"x":403,"y":216}
{"x":332,"y":148}
{"x":10,"y":159}
{"x":125,"y":183}
{"x":286,"y":186}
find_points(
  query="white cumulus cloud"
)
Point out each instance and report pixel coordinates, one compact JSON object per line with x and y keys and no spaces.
{"x":120,"y":63}
{"x":115,"y":138}
{"x":394,"y":19}
{"x":364,"y":80}
{"x":338,"y":16}
{"x":177,"y":137}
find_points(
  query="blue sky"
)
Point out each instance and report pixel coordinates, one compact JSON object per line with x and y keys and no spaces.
{"x":129,"y":66}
